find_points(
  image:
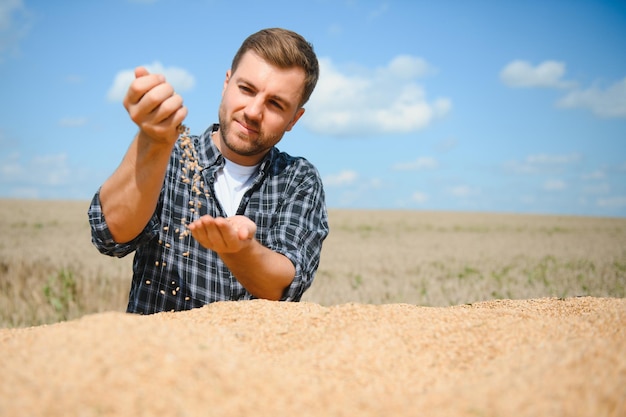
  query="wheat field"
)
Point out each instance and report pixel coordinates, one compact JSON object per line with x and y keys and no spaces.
{"x":50,"y":272}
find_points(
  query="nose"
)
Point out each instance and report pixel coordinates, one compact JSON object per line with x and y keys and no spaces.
{"x":254,"y":108}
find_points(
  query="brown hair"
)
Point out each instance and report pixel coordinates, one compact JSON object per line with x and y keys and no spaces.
{"x":284,"y":49}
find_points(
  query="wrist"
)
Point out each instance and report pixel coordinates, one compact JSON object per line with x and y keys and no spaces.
{"x":149,"y":147}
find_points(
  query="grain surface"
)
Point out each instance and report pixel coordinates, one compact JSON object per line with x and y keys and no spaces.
{"x":536,"y":357}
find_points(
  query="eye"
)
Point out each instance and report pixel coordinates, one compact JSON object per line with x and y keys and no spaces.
{"x":276,"y":104}
{"x":245,"y":89}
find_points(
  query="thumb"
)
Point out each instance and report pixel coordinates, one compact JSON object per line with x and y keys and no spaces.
{"x":246,"y":233}
{"x":140,"y":72}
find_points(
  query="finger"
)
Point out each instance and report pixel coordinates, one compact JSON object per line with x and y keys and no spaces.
{"x":153,"y":89}
{"x":240,"y":230}
{"x":171,"y":125}
{"x":244,"y":234}
{"x":201,"y":222}
{"x":168,"y":108}
{"x":141,"y":72}
{"x":225,"y":229}
{"x":228,"y":235}
{"x":212,"y":231}
{"x":199,"y":232}
{"x":175,"y":120}
{"x":245,"y":228}
{"x":147,"y":108}
{"x":142,"y":85}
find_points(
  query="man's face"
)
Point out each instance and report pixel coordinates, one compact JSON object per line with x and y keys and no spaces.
{"x":260,"y":103}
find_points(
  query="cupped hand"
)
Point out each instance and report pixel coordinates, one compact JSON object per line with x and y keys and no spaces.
{"x":223,"y":235}
{"x":154,"y":106}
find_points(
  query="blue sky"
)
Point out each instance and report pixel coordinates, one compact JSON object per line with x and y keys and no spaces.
{"x":450,"y":105}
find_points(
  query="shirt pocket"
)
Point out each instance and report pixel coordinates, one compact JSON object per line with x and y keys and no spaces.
{"x":265,"y":222}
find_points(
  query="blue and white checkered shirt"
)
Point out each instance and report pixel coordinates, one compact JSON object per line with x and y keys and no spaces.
{"x":171,"y":271}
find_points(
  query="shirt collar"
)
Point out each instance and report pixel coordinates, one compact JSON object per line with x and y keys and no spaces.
{"x":209,"y":155}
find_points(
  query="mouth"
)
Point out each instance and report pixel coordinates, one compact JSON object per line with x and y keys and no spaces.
{"x":247,"y":128}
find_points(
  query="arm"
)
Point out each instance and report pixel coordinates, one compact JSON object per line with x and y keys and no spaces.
{"x":263,"y":272}
{"x":129,"y":197}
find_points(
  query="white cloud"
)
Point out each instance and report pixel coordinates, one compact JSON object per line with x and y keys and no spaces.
{"x":7,"y":8}
{"x":446,"y":145}
{"x":365,"y":103}
{"x":463,"y":191}
{"x":25,"y":192}
{"x":545,"y":159}
{"x":343,"y":178}
{"x":419,"y":197}
{"x":538,"y":163}
{"x":595,"y":175}
{"x":15,"y":22}
{"x":554,"y":185}
{"x":612,"y":202}
{"x":73,"y":121}
{"x":375,"y":183}
{"x":11,"y":169}
{"x":334,"y":30}
{"x":608,"y":103}
{"x":54,"y":168}
{"x":601,"y":188}
{"x":522,"y":74}
{"x":379,"y":11}
{"x":407,"y":67}
{"x":46,"y":170}
{"x":74,"y":79}
{"x":419,"y":164}
{"x":180,"y":79}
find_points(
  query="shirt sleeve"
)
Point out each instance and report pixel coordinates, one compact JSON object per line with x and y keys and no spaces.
{"x":300,"y":229}
{"x":103,"y":240}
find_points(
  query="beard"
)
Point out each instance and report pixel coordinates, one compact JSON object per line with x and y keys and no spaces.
{"x":242,"y":144}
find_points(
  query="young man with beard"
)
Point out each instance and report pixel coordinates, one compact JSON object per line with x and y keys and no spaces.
{"x":252,"y":221}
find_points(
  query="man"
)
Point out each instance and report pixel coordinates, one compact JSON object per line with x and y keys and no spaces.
{"x":226,"y":215}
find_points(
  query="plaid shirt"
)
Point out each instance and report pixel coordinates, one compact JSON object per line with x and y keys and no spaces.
{"x":171,"y":271}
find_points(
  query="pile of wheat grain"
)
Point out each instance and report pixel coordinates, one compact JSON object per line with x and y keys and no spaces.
{"x":541,"y":357}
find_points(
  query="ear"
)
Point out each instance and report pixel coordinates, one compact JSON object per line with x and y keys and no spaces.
{"x":295,"y":119}
{"x":226,"y":80}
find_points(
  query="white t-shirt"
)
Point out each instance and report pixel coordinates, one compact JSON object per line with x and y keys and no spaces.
{"x":231,"y":183}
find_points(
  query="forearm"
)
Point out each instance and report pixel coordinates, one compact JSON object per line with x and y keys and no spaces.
{"x":262,"y":272}
{"x":129,"y":197}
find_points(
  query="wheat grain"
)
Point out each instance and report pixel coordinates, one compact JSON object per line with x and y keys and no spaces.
{"x":191,"y":174}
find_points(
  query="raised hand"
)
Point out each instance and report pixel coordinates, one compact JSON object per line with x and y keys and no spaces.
{"x":130,"y":195}
{"x":154,"y":106}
